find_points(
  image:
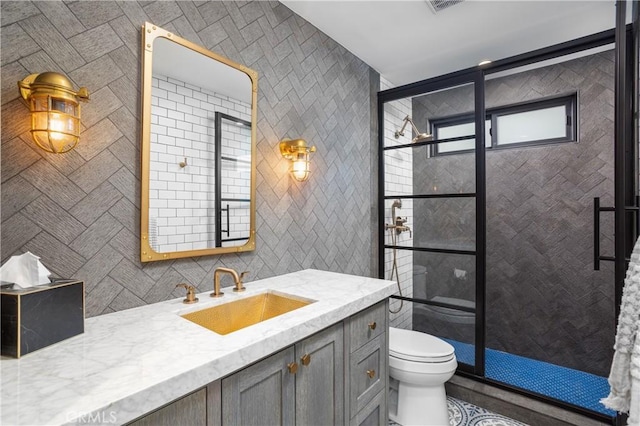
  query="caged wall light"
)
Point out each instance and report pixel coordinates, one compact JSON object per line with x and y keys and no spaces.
{"x":55,"y":110}
{"x":298,"y":152}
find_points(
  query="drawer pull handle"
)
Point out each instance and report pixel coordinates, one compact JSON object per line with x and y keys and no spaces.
{"x":372,"y":325}
{"x":306,"y":359}
{"x":371,"y":373}
{"x":293,"y":367}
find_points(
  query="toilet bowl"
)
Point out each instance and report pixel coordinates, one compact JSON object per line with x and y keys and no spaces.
{"x":419,"y":365}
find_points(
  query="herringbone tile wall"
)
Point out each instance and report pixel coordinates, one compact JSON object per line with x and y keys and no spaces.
{"x":543,"y":298}
{"x":80,"y":211}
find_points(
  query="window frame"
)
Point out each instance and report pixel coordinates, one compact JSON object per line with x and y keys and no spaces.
{"x":569,"y":101}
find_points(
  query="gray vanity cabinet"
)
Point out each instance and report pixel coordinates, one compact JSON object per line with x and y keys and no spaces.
{"x":337,"y":376}
{"x":300,"y":385}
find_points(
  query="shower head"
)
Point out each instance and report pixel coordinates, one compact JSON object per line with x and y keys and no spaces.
{"x":421,"y":137}
{"x":397,"y":204}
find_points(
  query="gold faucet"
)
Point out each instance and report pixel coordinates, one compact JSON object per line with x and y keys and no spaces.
{"x":191,"y":293}
{"x":236,"y":278}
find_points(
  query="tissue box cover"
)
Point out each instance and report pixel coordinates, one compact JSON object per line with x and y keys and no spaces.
{"x":39,"y":316}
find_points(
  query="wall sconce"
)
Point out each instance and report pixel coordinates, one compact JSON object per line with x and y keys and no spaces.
{"x":298,"y":152}
{"x":55,"y":110}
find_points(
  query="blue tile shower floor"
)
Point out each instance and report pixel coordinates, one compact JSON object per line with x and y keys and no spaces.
{"x":562,"y":383}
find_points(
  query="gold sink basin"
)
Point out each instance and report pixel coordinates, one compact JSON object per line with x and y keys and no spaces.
{"x":236,"y":315}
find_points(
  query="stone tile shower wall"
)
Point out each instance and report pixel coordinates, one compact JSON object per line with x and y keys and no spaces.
{"x":80,"y":211}
{"x":182,"y":212}
{"x":398,"y":180}
{"x":543,"y":299}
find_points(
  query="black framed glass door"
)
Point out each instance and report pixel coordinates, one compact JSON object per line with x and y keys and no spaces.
{"x":435,"y":213}
{"x":432,"y":233}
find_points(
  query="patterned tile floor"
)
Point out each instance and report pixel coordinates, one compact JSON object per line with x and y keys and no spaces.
{"x":462,"y":413}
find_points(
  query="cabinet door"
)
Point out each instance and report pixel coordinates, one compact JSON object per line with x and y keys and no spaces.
{"x":191,"y":410}
{"x":262,"y":394}
{"x":320,"y":378}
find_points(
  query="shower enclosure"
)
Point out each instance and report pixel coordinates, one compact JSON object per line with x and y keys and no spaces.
{"x":512,"y":256}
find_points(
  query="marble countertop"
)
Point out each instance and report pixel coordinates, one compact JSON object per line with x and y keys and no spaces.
{"x":131,"y":362}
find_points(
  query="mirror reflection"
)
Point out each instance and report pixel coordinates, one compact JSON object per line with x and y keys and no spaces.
{"x":198,"y":164}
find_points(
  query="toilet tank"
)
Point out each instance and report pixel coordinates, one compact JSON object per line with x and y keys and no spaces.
{"x":419,"y":282}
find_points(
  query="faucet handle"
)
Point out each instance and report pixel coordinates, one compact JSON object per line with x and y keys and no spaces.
{"x":191,"y":293}
{"x":239,"y":286}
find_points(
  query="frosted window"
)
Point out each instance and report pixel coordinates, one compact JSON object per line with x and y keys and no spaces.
{"x":456,"y":130}
{"x":537,"y":125}
{"x":536,"y":122}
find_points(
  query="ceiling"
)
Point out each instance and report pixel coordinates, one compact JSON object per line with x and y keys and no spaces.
{"x":405,"y":41}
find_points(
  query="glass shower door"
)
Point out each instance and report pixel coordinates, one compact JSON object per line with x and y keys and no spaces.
{"x":429,"y":220}
{"x":549,"y":315}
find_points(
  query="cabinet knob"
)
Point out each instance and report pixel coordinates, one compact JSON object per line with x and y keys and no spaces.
{"x":371,"y":373}
{"x":293,"y":367}
{"x":372,"y":325}
{"x":306,"y":359}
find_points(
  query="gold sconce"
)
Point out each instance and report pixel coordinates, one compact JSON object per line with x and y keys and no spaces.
{"x":298,"y":152}
{"x":55,"y":110}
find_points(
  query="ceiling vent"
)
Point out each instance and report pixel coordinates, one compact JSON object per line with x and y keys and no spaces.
{"x":440,"y":5}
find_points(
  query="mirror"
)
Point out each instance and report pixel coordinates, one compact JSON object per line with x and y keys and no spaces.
{"x":198,"y":150}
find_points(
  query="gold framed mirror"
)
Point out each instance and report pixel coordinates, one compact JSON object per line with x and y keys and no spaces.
{"x":198,"y":150}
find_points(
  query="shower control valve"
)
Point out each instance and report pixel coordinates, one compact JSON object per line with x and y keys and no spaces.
{"x":400,"y":221}
{"x":400,"y":225}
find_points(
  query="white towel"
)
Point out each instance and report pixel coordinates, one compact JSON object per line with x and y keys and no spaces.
{"x":624,"y":378}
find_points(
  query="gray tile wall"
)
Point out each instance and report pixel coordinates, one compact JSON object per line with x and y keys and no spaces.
{"x":543,"y":298}
{"x":80,"y":211}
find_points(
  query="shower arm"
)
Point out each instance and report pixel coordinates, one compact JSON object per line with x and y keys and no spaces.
{"x":406,"y":120}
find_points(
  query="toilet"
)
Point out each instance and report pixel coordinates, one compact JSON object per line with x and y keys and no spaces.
{"x":419,"y":365}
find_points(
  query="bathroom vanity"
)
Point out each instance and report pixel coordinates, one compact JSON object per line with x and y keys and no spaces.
{"x":323,"y":363}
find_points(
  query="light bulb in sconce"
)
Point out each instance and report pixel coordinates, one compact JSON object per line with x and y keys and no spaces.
{"x":55,"y":110}
{"x":300,"y":167}
{"x":298,"y":152}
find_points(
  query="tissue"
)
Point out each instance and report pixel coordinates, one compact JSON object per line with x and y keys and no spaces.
{"x":25,"y":270}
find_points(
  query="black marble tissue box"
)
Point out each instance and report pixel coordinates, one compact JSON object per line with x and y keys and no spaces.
{"x":39,"y":316}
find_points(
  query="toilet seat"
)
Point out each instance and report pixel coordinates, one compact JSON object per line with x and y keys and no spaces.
{"x":414,"y":346}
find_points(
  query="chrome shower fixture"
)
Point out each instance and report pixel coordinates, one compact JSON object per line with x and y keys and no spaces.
{"x":421,"y":137}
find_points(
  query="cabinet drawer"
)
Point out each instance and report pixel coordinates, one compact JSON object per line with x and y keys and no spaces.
{"x":367,"y":325}
{"x":368,"y":373}
{"x":373,"y":414}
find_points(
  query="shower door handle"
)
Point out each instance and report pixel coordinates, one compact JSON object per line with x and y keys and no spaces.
{"x":596,"y":228}
{"x":596,"y":233}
